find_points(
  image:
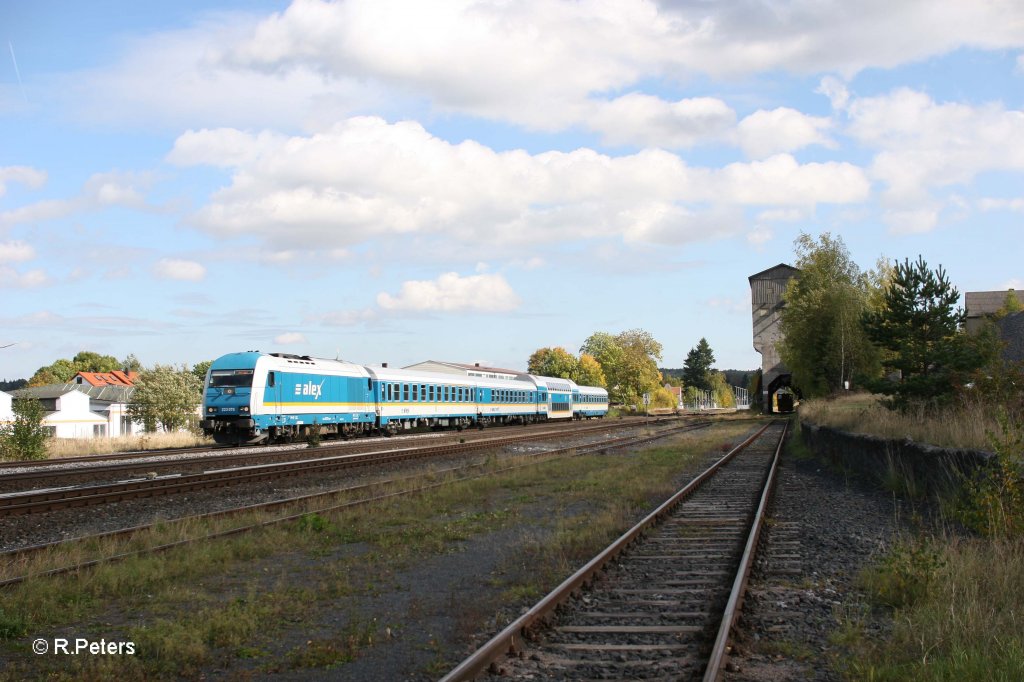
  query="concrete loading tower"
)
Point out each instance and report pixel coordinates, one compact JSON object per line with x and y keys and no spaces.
{"x":767,"y":289}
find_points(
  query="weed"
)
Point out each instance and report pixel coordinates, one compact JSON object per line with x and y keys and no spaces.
{"x":993,"y":498}
{"x":903,"y":576}
{"x":313,"y":523}
{"x":12,"y":625}
{"x":331,"y":651}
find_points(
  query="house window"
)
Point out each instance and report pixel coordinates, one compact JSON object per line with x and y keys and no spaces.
{"x":99,"y":430}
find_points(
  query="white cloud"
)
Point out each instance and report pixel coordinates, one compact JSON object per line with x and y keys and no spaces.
{"x":184,"y":270}
{"x":911,"y":221}
{"x":30,"y":177}
{"x":100,"y":191}
{"x":760,"y":236}
{"x":538,"y":63}
{"x":452,"y":293}
{"x":991,"y":204}
{"x":650,"y":121}
{"x":289,"y":338}
{"x":925,"y":145}
{"x":16,"y":251}
{"x":11,"y":278}
{"x":765,"y":133}
{"x":365,"y":179}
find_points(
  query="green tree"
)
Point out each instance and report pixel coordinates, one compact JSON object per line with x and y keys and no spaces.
{"x":60,"y":372}
{"x":629,"y":361}
{"x":131,"y":363}
{"x":1011,"y":305}
{"x":588,"y":372}
{"x":25,"y":437}
{"x":552,"y":362}
{"x":922,"y":329}
{"x":722,"y":391}
{"x":88,"y":361}
{"x":63,"y":370}
{"x":661,"y":397}
{"x":697,"y":367}
{"x":165,"y":395}
{"x":199,"y":370}
{"x":823,"y":343}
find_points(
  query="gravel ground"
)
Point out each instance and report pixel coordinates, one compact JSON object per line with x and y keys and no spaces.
{"x":823,"y":530}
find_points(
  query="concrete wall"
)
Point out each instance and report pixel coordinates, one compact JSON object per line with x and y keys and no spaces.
{"x":933,"y":470}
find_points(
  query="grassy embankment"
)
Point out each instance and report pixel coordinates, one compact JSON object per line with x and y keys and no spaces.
{"x":78,"y":447}
{"x":288,"y":597}
{"x":954,"y":600}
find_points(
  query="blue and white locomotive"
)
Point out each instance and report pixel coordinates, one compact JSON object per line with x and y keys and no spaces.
{"x":253,"y":397}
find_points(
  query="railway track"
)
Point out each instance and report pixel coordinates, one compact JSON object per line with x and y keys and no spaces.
{"x":44,"y":500}
{"x":66,"y":471}
{"x":659,"y":603}
{"x":305,"y":504}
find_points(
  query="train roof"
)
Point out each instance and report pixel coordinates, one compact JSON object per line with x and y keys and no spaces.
{"x":394,"y":374}
{"x":289,"y":362}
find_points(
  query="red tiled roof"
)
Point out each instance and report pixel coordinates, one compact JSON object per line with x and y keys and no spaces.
{"x":115,"y":378}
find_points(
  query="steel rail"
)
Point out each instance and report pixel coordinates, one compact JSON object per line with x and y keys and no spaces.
{"x":49,"y":500}
{"x":508,"y":641}
{"x":50,"y":474}
{"x":254,"y":450}
{"x":733,"y":606}
{"x":22,"y":553}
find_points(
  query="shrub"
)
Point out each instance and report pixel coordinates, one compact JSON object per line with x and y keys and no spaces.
{"x":25,"y":437}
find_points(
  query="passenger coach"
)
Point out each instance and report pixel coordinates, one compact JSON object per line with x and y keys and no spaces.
{"x":252,"y":397}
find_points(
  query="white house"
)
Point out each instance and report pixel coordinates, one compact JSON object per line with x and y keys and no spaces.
{"x":6,"y":414}
{"x":84,"y":411}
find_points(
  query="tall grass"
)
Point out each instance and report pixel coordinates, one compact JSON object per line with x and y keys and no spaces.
{"x":78,"y":447}
{"x":958,"y":616}
{"x":963,"y":426}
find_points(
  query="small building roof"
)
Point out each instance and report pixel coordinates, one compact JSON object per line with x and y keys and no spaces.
{"x":780,"y":271}
{"x":108,"y":394}
{"x":115,"y":378}
{"x":979,"y":303}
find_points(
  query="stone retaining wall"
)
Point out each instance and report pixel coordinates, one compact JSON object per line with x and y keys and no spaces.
{"x":929,"y":470}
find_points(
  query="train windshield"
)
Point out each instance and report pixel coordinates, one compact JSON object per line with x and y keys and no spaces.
{"x":231,"y":377}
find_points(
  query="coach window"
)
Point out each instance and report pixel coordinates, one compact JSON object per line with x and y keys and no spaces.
{"x":405,"y":391}
{"x":431,"y":389}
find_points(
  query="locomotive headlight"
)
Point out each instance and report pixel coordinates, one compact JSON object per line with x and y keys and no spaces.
{"x":244,"y":409}
{"x":211,"y":410}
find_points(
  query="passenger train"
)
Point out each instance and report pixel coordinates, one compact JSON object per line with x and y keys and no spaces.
{"x":254,"y":397}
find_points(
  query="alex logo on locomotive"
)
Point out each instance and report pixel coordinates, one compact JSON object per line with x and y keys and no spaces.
{"x":309,"y":388}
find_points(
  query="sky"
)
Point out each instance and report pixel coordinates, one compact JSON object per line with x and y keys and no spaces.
{"x":388,"y":181}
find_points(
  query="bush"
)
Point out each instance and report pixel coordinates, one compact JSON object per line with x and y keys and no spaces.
{"x":25,"y":437}
{"x":993,"y":498}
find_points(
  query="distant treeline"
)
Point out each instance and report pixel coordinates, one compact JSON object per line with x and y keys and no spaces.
{"x":733,"y":377}
{"x":12,"y":384}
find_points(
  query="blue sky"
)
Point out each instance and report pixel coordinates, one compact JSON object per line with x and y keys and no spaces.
{"x":470,"y":181}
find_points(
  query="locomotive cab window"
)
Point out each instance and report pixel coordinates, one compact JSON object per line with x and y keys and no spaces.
{"x":230,"y":377}
{"x":270,"y":379}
